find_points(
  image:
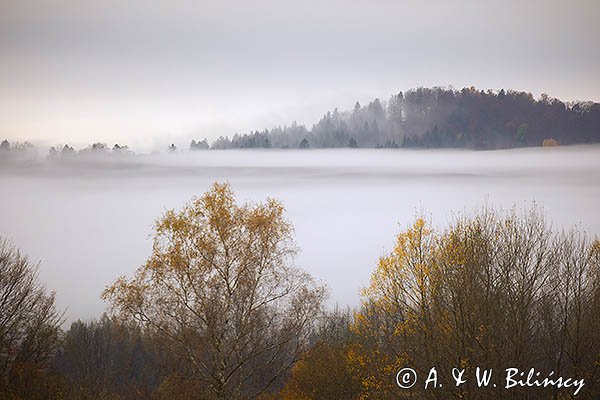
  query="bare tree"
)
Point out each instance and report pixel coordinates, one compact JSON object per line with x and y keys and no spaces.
{"x":29,"y":322}
{"x":106,"y":359}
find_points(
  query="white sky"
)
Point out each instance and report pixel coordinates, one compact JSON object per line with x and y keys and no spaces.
{"x":150,"y":72}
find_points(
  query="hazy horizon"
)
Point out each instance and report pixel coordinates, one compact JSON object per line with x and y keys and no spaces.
{"x":168,"y":72}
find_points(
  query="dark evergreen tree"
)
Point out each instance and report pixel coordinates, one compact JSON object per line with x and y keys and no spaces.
{"x":304,"y":144}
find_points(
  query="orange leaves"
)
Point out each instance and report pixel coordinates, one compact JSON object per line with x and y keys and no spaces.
{"x":220,"y":292}
{"x":403,"y":276}
{"x":322,"y":373}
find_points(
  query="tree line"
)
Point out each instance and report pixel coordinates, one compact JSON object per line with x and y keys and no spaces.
{"x":418,"y":118}
{"x":19,"y":151}
{"x":439,"y":117}
{"x":220,"y":311}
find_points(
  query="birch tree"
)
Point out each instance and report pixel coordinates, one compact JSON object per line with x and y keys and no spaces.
{"x":221,"y":291}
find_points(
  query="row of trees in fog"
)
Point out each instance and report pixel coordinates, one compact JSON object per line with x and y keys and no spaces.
{"x":220,"y":311}
{"x":419,"y":118}
{"x":27,"y":151}
{"x":439,"y":117}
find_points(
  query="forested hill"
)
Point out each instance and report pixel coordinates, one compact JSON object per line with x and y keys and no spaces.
{"x":439,"y":117}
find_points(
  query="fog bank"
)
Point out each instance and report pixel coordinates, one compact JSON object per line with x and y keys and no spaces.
{"x":89,"y":220}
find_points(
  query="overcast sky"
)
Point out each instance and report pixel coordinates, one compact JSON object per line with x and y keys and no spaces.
{"x":150,"y":72}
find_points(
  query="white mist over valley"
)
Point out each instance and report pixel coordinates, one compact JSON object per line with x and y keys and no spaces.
{"x":89,"y":220}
